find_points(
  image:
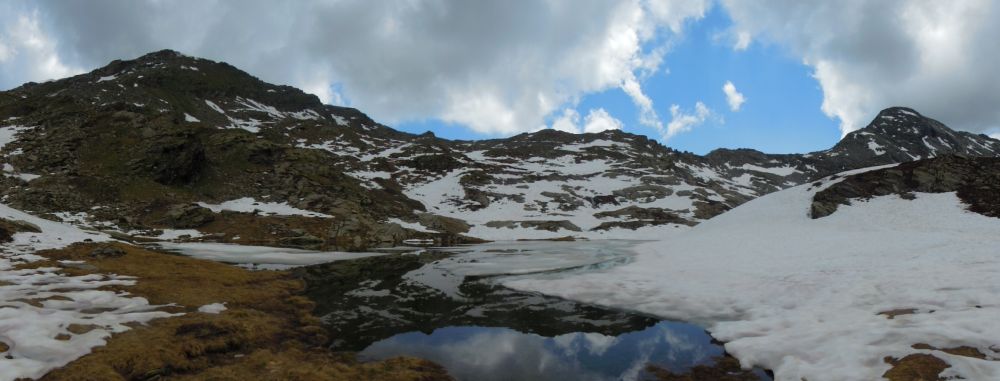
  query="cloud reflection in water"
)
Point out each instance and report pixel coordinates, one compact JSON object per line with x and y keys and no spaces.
{"x":483,"y":353}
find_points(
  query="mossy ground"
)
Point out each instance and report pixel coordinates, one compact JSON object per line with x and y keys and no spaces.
{"x":266,"y":333}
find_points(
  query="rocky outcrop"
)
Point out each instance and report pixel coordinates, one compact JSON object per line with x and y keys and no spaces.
{"x":976,"y":181}
{"x":443,"y":224}
{"x":637,"y":217}
{"x":552,"y":226}
{"x":10,"y":227}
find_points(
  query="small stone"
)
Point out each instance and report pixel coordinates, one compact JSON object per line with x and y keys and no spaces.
{"x":107,"y":252}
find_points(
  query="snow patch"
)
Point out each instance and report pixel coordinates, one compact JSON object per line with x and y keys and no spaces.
{"x":249,"y":205}
{"x":215,"y":107}
{"x":214,"y":308}
{"x":802,"y":297}
{"x":780,"y":171}
{"x":264,"y":256}
{"x":30,"y":329}
{"x":9,"y":134}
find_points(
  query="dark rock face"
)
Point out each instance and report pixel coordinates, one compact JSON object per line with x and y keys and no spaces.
{"x":975,"y":179}
{"x":172,"y":160}
{"x":552,"y":226}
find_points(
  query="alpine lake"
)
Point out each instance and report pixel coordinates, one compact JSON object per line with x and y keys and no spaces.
{"x":447,"y":305}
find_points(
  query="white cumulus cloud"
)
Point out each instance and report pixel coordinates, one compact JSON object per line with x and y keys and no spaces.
{"x":939,"y":57}
{"x":597,"y":120}
{"x":495,"y":68}
{"x":733,"y":97}
{"x":567,"y":122}
{"x":683,"y":122}
{"x":27,"y":52}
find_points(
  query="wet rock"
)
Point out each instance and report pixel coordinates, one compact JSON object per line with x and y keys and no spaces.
{"x":187,"y":216}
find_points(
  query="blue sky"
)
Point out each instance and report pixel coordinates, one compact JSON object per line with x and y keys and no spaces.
{"x":781,"y":113}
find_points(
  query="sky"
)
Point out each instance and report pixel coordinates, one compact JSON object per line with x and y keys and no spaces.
{"x":779,"y":76}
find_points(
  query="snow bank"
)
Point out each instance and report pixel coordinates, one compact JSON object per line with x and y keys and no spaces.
{"x":38,"y":305}
{"x":214,"y":308}
{"x":261,"y":255}
{"x":249,"y":205}
{"x":803,"y":296}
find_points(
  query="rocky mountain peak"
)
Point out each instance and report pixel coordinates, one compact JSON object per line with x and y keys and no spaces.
{"x":900,"y":134}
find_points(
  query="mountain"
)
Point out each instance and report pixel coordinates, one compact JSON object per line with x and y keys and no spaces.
{"x":172,"y":146}
{"x":862,"y":275}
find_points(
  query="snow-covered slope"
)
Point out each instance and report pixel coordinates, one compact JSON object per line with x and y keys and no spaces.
{"x":42,"y":309}
{"x":803,"y":296}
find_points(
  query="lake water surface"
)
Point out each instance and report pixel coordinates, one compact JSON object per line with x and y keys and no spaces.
{"x":448,"y":305}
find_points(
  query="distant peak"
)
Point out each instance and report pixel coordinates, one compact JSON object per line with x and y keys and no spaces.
{"x":900,"y":111}
{"x":162,"y":54}
{"x":899,"y":119}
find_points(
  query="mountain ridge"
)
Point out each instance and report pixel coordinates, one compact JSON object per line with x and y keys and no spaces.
{"x":151,"y":141}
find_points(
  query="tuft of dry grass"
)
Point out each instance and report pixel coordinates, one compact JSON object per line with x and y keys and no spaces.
{"x":964,"y":350}
{"x":915,"y":367}
{"x":266,"y":333}
{"x":891,"y":314}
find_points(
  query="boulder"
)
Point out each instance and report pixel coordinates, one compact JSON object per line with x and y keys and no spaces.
{"x":443,"y":224}
{"x":10,"y":227}
{"x":188,"y":216}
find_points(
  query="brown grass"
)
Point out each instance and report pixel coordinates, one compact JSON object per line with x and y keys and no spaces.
{"x":264,"y":230}
{"x":966,"y":351}
{"x":915,"y":367}
{"x":266,"y":333}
